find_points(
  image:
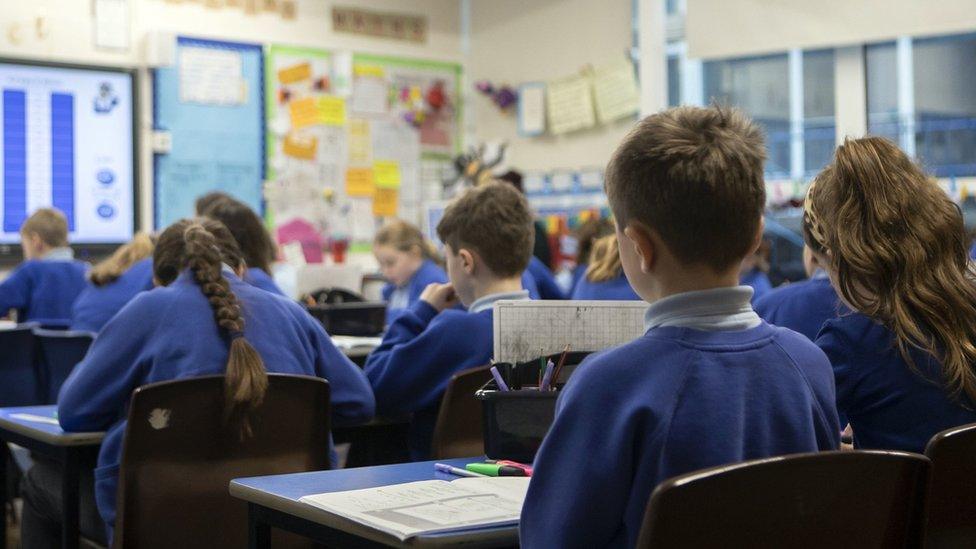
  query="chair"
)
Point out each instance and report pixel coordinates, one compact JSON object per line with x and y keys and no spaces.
{"x":458,"y":431}
{"x":178,"y":458}
{"x":58,"y":353}
{"x":19,"y":380}
{"x":830,"y":499}
{"x":952,"y":493}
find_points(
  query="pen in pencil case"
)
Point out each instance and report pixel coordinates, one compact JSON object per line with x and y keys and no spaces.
{"x":502,"y":386}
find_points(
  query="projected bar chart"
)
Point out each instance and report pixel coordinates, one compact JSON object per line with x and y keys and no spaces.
{"x":55,"y":158}
{"x":14,"y":159}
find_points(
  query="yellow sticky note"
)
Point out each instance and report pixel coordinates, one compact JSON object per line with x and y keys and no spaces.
{"x":385,"y":202}
{"x":332,"y":110}
{"x":368,"y":70}
{"x":386,"y":174}
{"x":296,"y":73}
{"x":303,"y":113}
{"x":303,"y":147}
{"x":360,"y":144}
{"x":359,"y":182}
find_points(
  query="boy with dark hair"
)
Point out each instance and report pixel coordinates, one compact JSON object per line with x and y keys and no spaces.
{"x":487,"y":235}
{"x":709,"y":383}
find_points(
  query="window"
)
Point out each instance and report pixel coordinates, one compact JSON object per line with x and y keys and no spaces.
{"x":945,"y":104}
{"x":760,"y":87}
{"x":819,"y":131}
{"x":881,"y":66}
{"x":674,"y":80}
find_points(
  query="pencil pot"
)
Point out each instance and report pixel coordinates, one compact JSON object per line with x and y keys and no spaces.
{"x":516,"y":421}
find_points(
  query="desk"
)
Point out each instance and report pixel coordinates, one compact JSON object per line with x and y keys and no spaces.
{"x":71,"y":449}
{"x":273,"y":502}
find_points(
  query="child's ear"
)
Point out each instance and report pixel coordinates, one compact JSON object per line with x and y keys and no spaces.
{"x":466,"y":258}
{"x":757,"y":239}
{"x":639,"y":237}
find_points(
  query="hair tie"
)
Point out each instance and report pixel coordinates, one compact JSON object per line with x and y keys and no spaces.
{"x":236,"y":334}
{"x":813,"y":221}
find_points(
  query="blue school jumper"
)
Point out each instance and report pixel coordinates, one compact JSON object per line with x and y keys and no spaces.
{"x":169,"y":333}
{"x":420,"y":352}
{"x":801,"y":306}
{"x":260,"y":279}
{"x":616,"y":289}
{"x":708,"y":384}
{"x":579,"y":272}
{"x":758,"y":281}
{"x":529,"y":285}
{"x":97,"y":304}
{"x":398,"y":299}
{"x":44,"y":290}
{"x":889,"y":406}
{"x":544,"y":280}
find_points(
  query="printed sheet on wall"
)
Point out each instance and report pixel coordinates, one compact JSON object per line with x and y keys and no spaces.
{"x":211,"y":103}
{"x":353,"y":139}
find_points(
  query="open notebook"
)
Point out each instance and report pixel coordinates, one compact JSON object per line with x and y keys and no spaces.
{"x":408,"y":510}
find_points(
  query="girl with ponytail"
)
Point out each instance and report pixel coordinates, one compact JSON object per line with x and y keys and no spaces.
{"x":201,"y":320}
{"x":408,"y":261}
{"x":896,"y":251}
{"x":113,"y":283}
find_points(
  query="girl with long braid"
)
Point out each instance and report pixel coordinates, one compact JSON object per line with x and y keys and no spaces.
{"x":201,"y":320}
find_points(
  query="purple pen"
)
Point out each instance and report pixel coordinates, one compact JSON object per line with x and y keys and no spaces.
{"x":547,"y":377}
{"x":502,"y":386}
{"x":457,"y":471}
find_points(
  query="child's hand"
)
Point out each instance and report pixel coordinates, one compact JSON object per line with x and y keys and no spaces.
{"x":439,"y":296}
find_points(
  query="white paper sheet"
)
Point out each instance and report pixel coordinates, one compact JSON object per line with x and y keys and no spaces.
{"x":211,"y":76}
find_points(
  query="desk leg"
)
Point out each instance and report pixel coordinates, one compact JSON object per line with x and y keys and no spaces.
{"x":69,"y":499}
{"x":259,"y":532}
{"x":4,"y":463}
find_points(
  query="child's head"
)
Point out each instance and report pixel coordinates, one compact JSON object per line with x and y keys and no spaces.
{"x":400,"y":248}
{"x":587,"y":234}
{"x":203,"y":246}
{"x":44,"y":230}
{"x":487,"y":234}
{"x":253,"y":238}
{"x":108,"y":271}
{"x":896,"y":249}
{"x":204,"y":202}
{"x":604,"y":260}
{"x":686,"y":189}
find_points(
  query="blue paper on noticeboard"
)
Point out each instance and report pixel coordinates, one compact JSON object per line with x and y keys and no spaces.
{"x":218,"y":144}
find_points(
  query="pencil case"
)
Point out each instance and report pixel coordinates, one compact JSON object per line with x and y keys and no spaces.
{"x":516,"y":421}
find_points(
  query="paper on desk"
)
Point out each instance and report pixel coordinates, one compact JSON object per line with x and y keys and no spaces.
{"x":426,"y":507}
{"x":354,"y":342}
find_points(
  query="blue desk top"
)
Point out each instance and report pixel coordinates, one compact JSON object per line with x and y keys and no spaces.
{"x":18,"y":419}
{"x":281,"y":492}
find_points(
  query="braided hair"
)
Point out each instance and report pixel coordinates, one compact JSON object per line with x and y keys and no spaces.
{"x":204,"y":246}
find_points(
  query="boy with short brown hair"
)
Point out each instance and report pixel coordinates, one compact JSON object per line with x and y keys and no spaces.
{"x":487,"y":235}
{"x":709,"y":383}
{"x":44,"y":287}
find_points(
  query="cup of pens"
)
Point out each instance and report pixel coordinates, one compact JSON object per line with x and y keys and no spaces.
{"x":519,"y":403}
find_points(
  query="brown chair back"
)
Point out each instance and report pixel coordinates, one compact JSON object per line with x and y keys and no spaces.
{"x":829,"y":499}
{"x":952,"y":492}
{"x":458,"y":431}
{"x":179,"y":457}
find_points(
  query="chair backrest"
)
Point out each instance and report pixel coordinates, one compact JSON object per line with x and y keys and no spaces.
{"x":836,"y":499}
{"x":952,"y":492}
{"x":19,"y":380}
{"x":58,"y":353}
{"x":179,"y":457}
{"x":458,"y":431}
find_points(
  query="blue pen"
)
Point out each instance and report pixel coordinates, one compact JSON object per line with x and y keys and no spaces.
{"x":445,"y":468}
{"x":547,"y":377}
{"x":502,"y":386}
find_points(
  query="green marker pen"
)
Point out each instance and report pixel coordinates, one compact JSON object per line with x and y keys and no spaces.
{"x":495,"y":470}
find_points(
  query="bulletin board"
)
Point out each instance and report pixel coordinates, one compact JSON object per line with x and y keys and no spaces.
{"x":211,"y":103}
{"x":352,"y":139}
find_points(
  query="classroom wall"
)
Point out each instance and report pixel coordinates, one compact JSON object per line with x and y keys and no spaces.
{"x":515,"y":41}
{"x":67,"y":28}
